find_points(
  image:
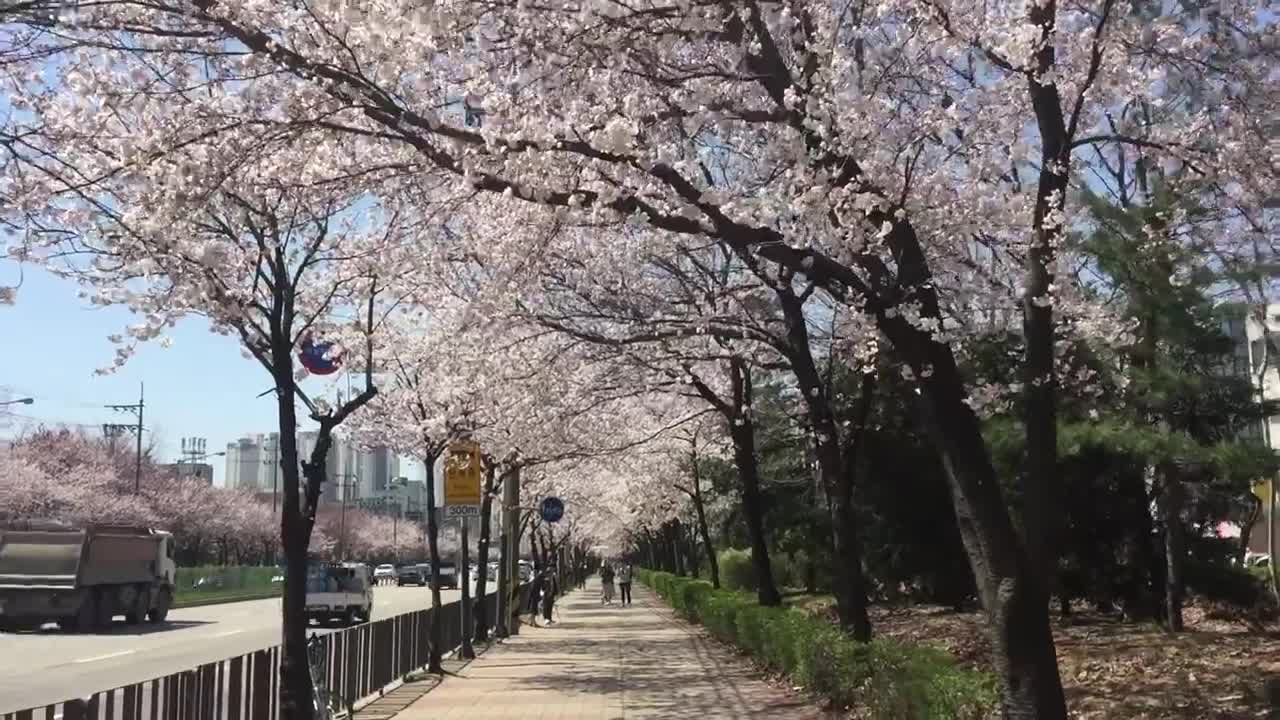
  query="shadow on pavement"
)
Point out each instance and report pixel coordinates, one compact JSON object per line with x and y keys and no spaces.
{"x":662,"y":667}
{"x":118,"y":628}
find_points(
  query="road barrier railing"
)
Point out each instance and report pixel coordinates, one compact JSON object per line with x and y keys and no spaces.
{"x":358,"y":662}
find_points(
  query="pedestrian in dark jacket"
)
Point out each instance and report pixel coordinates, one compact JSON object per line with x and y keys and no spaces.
{"x":550,"y":588}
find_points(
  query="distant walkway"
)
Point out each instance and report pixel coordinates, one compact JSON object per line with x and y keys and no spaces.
{"x":605,"y":663}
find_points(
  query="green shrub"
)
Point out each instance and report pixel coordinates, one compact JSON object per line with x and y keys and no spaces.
{"x":719,"y":613}
{"x":693,"y":597}
{"x":892,"y":681}
{"x":737,"y":572}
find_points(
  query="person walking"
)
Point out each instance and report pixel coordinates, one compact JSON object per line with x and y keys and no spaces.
{"x":535,"y":596}
{"x":624,"y":583}
{"x":606,"y":583}
{"x":550,"y":588}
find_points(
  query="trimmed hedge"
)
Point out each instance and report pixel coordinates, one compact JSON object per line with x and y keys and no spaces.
{"x":888,"y":679}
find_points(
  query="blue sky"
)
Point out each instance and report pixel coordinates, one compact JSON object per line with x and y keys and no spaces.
{"x":53,"y":341}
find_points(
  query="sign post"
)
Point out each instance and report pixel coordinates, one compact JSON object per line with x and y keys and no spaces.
{"x":462,"y":480}
{"x":462,"y":501}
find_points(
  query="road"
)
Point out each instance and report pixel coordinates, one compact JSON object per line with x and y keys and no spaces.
{"x":37,"y":668}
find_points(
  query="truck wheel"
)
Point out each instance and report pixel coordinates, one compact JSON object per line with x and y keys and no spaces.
{"x":105,"y":610}
{"x":141,"y":604}
{"x":87,"y":615}
{"x":161,"y":610}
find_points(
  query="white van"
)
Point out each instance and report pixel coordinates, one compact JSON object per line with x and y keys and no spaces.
{"x":339,"y":592}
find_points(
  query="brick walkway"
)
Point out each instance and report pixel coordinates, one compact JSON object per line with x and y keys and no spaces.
{"x":605,"y":662}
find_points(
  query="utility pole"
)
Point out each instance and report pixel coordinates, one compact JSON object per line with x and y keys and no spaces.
{"x":113,"y":430}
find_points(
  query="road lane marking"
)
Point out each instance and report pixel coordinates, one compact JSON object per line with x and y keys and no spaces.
{"x":108,"y":656}
{"x":226,"y":634}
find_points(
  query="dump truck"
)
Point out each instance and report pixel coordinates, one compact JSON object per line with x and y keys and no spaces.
{"x":83,"y":577}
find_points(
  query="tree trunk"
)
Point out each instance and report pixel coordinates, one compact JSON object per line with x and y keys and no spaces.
{"x":813,"y":537}
{"x":744,"y":453}
{"x":677,"y":552}
{"x":295,"y":671}
{"x":834,"y":465}
{"x":464,"y":582}
{"x":851,"y":589}
{"x":705,"y":531}
{"x":435,"y":639}
{"x":482,"y":559}
{"x":1014,"y":598}
{"x":1171,"y":500}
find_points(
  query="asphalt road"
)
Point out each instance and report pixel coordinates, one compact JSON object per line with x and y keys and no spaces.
{"x":48,"y":666}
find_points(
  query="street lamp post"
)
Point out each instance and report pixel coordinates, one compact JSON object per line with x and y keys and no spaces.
{"x":19,"y":401}
{"x":177,"y":470}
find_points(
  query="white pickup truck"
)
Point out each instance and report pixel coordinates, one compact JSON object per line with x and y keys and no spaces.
{"x":339,"y":592}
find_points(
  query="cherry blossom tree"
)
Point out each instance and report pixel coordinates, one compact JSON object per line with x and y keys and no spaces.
{"x":915,"y":159}
{"x":74,"y":478}
{"x":282,"y":251}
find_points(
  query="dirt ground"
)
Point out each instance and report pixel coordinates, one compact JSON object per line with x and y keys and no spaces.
{"x":1110,"y":669}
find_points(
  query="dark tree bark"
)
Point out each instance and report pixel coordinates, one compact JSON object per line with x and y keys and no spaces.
{"x":482,"y":559}
{"x":674,"y":542}
{"x":295,"y":673}
{"x":744,"y":454}
{"x":1172,"y":496}
{"x":434,"y":652}
{"x":467,"y":652}
{"x":1138,"y":551}
{"x":704,"y":531}
{"x":301,"y":495}
{"x":835,"y":461}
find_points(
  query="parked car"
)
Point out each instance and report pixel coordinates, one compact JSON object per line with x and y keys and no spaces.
{"x":411,"y":575}
{"x":384,"y":571}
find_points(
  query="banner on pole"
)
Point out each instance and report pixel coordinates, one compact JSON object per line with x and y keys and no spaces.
{"x":462,"y":479}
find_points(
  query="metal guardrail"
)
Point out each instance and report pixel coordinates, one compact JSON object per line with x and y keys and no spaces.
{"x":355,"y":663}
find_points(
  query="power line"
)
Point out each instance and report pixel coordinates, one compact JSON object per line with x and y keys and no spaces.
{"x":49,"y":421}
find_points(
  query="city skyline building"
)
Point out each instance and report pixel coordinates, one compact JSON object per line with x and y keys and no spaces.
{"x":350,"y":472}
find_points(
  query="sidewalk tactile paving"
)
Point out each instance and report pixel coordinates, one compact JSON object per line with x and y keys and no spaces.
{"x":607,"y":662}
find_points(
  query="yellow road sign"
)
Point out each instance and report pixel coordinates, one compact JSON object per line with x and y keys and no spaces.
{"x":462,"y":476}
{"x":1263,"y":490}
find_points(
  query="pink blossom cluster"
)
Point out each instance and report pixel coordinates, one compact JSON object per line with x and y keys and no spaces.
{"x":72,"y":477}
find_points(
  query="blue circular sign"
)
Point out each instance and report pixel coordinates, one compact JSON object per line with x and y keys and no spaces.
{"x":552,"y":509}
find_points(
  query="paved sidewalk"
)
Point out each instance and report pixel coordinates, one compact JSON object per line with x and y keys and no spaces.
{"x":605,"y":662}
